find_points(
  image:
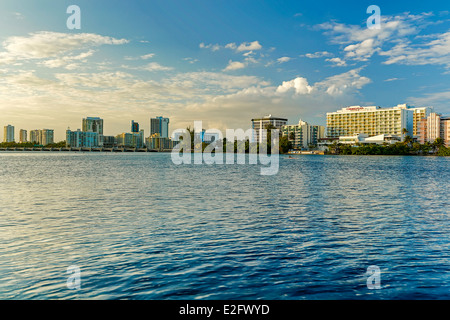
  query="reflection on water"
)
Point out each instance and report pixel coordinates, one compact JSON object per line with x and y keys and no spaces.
{"x":140,"y":227}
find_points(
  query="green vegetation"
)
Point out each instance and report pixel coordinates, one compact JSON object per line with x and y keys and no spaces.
{"x":400,"y":148}
{"x":284,"y":144}
{"x":60,"y":144}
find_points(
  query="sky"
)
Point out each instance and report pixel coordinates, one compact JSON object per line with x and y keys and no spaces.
{"x":219,"y":62}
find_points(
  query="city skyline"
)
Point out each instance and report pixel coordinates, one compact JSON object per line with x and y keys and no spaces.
{"x":137,"y":60}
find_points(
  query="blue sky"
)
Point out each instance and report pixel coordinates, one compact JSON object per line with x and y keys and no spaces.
{"x":222,"y":62}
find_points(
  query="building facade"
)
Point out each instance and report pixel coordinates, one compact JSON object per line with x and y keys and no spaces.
{"x":130,"y":140}
{"x":78,"y":139}
{"x":432,"y":127}
{"x":23,"y":136}
{"x":156,"y":142}
{"x":134,"y":127}
{"x":259,"y":126}
{"x":159,"y":125}
{"x":92,"y":124}
{"x":445,"y":130}
{"x":372,"y":121}
{"x":8,"y":133}
{"x":42,"y":137}
{"x":302,"y":135}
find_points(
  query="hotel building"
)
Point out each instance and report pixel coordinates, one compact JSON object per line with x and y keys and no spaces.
{"x":302,"y":135}
{"x":375,"y":121}
{"x":8,"y":133}
{"x":259,"y":126}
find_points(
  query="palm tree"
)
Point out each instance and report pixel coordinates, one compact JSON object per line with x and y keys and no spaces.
{"x":437,"y":144}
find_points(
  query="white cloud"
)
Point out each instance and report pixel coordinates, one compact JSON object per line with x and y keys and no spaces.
{"x":392,"y":79}
{"x":67,"y":61}
{"x":343,"y":83}
{"x":362,"y":43}
{"x":212,"y":47}
{"x":234,"y":65}
{"x":154,"y":66}
{"x":147,"y":56}
{"x":435,"y":51}
{"x":299,"y":85}
{"x":249,"y":46}
{"x":283,"y":59}
{"x":338,"y":62}
{"x":318,"y":54}
{"x":53,"y":46}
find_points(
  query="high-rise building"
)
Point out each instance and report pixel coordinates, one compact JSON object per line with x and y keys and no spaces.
{"x":92,"y":124}
{"x":134,"y":127}
{"x":8,"y":133}
{"x":372,"y":121}
{"x":23,"y":136}
{"x":259,"y":126}
{"x":46,"y":136}
{"x":77,"y":139}
{"x":432,"y":127}
{"x":42,"y":137}
{"x":445,"y":130}
{"x":302,"y":135}
{"x":34,"y":136}
{"x":159,"y":125}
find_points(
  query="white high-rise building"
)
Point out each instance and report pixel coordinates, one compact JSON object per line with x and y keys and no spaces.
{"x":259,"y":126}
{"x":8,"y":133}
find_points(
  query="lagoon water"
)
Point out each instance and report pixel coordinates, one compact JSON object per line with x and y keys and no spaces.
{"x":140,"y":227}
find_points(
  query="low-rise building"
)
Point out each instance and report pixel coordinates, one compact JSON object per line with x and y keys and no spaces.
{"x":130,"y":140}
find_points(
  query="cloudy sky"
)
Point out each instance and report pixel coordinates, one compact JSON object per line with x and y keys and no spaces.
{"x":222,"y":62}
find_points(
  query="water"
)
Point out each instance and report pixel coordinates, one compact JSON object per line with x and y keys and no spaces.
{"x":140,"y":227}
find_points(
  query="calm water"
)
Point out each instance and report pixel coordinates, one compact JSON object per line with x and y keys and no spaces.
{"x":140,"y":227}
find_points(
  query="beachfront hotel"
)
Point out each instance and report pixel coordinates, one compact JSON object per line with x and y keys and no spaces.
{"x":374,"y":121}
{"x":259,"y":126}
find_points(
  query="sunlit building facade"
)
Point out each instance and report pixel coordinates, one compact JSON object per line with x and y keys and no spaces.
{"x":259,"y":126}
{"x":372,"y":121}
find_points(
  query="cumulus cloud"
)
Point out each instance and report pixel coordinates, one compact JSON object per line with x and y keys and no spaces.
{"x":234,"y":65}
{"x":249,"y":46}
{"x":299,"y":85}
